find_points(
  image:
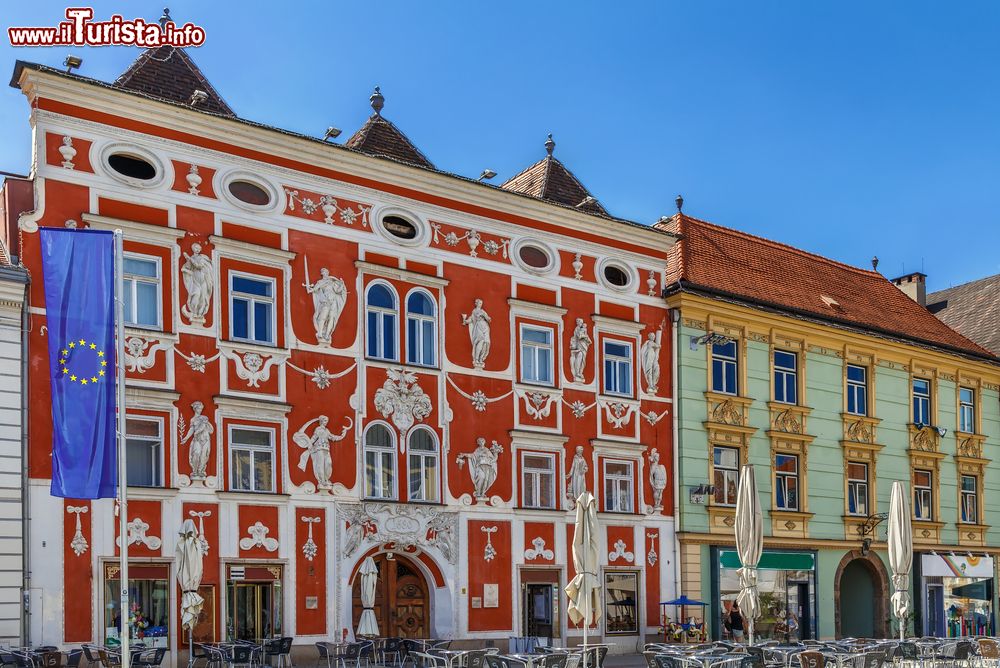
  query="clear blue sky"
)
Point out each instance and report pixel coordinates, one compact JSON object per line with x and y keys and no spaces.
{"x":849,"y":129}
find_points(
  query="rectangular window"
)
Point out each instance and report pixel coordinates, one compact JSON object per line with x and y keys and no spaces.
{"x":921,"y":401}
{"x":857,"y":390}
{"x":141,"y":283}
{"x":617,"y":368}
{"x":724,"y":368}
{"x":252,"y":306}
{"x":143,"y":452}
{"x":420,"y":341}
{"x":970,"y":499}
{"x":726,"y":465}
{"x":857,"y":489}
{"x":536,"y":355}
{"x":786,"y":482}
{"x":786,"y":377}
{"x":618,"y":487}
{"x":621,"y":602}
{"x":967,"y":410}
{"x":380,"y":463}
{"x":923,"y":495}
{"x":538,"y":481}
{"x":251,"y":454}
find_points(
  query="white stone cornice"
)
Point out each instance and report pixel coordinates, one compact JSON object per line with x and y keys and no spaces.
{"x":149,"y":398}
{"x":251,"y":252}
{"x":604,"y":446}
{"x":521,"y":438}
{"x":134,"y":231}
{"x":618,"y":325}
{"x":400,"y":274}
{"x":524,"y":307}
{"x":251,"y":408}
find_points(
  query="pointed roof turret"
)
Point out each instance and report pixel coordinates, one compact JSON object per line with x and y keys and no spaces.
{"x":168,"y":73}
{"x":378,"y":136}
{"x":549,"y":179}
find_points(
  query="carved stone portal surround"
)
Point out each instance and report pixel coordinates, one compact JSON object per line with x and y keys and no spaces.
{"x":406,"y":527}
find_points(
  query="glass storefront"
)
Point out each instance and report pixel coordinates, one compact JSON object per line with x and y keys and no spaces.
{"x":957,"y":595}
{"x":148,"y":619}
{"x":253,"y":602}
{"x":621,"y":602}
{"x":786,"y":582}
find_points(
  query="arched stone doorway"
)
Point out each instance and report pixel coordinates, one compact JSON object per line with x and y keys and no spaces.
{"x":861,"y":592}
{"x":402,"y":601}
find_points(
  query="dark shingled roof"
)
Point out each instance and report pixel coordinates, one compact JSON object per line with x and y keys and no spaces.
{"x":379,"y":136}
{"x":169,"y":74}
{"x":549,"y":179}
{"x":973,"y":309}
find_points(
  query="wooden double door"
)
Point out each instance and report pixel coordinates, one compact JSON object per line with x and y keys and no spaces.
{"x":402,"y":604}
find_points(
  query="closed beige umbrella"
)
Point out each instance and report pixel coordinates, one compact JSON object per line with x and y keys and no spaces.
{"x":189,"y":571}
{"x":584,"y":590}
{"x":368,"y":625}
{"x":900,"y":553}
{"x":749,"y":545}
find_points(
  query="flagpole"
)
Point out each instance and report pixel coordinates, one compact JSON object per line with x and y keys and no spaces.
{"x":126,"y":657}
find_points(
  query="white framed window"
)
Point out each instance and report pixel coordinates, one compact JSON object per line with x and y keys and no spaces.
{"x":381,"y":327}
{"x":724,"y":368}
{"x":617,"y":368}
{"x":141,"y":281}
{"x":536,"y":354}
{"x":967,"y":410}
{"x":786,"y":482}
{"x":857,"y":489}
{"x":857,"y":390}
{"x":421,"y":328}
{"x":619,"y":486}
{"x":726,"y":473}
{"x":923,"y":495}
{"x":422,"y":462}
{"x":538,"y":480}
{"x":144,"y":451}
{"x":970,"y":499}
{"x":380,"y":462}
{"x":786,"y":377}
{"x":251,"y":308}
{"x":251,"y":459}
{"x":921,"y":401}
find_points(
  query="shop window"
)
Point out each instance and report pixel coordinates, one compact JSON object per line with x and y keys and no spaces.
{"x":148,"y":620}
{"x":251,"y":301}
{"x":254,"y":603}
{"x":726,"y":473}
{"x":857,"y":489}
{"x":788,"y":594}
{"x":786,"y":377}
{"x":251,"y":454}
{"x":857,"y":390}
{"x":967,"y":410}
{"x":923,"y":495}
{"x":619,"y":489}
{"x":538,"y":480}
{"x":380,"y":463}
{"x":724,"y":366}
{"x":621,"y":602}
{"x":617,"y":368}
{"x":970,"y":499}
{"x":380,"y":305}
{"x":423,"y":465}
{"x":421,"y":341}
{"x":144,"y":452}
{"x":786,"y":482}
{"x":536,"y":355}
{"x":921,"y":401}
{"x":141,"y":283}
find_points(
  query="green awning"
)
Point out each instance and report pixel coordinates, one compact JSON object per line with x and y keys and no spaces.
{"x":772,"y":561}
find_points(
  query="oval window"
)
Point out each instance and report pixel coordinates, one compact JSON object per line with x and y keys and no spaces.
{"x":533,"y":256}
{"x":132,"y":166}
{"x":249,"y":193}
{"x":616,"y":275}
{"x":399,"y":227}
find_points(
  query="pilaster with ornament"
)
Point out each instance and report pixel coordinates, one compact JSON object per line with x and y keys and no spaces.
{"x":728,"y":425}
{"x":788,"y":436}
{"x":860,"y":444}
{"x":969,"y":461}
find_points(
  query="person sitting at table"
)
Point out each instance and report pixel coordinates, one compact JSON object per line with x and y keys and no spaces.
{"x":736,"y":622}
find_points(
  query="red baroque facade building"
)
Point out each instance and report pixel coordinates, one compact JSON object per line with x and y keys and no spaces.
{"x":337,"y":351}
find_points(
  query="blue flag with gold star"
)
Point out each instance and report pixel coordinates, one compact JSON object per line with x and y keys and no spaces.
{"x":78,"y":273}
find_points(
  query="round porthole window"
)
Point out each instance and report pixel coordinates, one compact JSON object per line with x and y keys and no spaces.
{"x":249,"y":193}
{"x":400,"y":228}
{"x":132,"y":166}
{"x":616,"y":275}
{"x":534,"y":256}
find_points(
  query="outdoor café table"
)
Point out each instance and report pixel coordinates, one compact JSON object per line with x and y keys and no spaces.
{"x":784,"y":652}
{"x":453,"y":657}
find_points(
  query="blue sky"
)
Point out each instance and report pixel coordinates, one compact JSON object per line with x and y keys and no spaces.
{"x":850,"y":129}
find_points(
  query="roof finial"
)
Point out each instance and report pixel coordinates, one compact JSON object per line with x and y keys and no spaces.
{"x":166,"y":18}
{"x":679,"y":201}
{"x":875,"y":263}
{"x":377,"y":100}
{"x":550,"y":144}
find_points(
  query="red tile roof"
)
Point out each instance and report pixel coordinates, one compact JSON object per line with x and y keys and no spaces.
{"x":169,"y":73}
{"x":379,"y":136}
{"x":733,"y":264}
{"x":550,"y":180}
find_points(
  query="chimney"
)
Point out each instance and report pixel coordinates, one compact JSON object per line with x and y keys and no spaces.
{"x":914,"y":286}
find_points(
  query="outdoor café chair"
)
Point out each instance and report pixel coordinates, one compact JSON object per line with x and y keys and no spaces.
{"x":501,"y":661}
{"x":73,"y":658}
{"x":90,"y":653}
{"x":328,"y":653}
{"x":280,"y":648}
{"x":150,"y":658}
{"x":557,"y":660}
{"x":989,"y":652}
{"x":239,"y":655}
{"x":392,"y":649}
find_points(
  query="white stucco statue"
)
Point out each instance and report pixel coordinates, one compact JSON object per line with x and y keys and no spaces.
{"x":317,"y":448}
{"x":482,"y":466}
{"x":329,"y":295}
{"x":649,"y":355}
{"x":579,"y":345}
{"x":199,"y":281}
{"x":200,"y":434}
{"x":657,"y":478}
{"x":576,"y":478}
{"x":478,"y":323}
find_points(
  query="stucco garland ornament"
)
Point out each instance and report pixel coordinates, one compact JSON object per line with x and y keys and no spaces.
{"x":317,"y":448}
{"x":402,"y":400}
{"x":330,"y":207}
{"x":309,"y":548}
{"x":137,"y":358}
{"x":478,"y":322}
{"x":197,"y":362}
{"x":652,"y":418}
{"x":199,"y":280}
{"x":320,"y":376}
{"x":79,"y":543}
{"x":478,"y":398}
{"x":482,"y":466}
{"x":253,"y":368}
{"x":651,"y":556}
{"x":258,"y":538}
{"x":538,"y":551}
{"x":202,"y":541}
{"x":489,"y":552}
{"x":137,"y":529}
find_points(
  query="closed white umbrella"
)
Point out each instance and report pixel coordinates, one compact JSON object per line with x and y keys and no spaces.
{"x":749,"y":545}
{"x":368,"y":625}
{"x":189,"y":571}
{"x":584,"y":590}
{"x":900,"y":553}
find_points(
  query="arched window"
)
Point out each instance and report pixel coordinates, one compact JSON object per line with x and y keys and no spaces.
{"x":421,"y":342}
{"x":423,"y":465}
{"x":380,"y":305}
{"x":380,"y":463}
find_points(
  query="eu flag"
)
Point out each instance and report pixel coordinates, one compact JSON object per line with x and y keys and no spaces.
{"x":78,"y":272}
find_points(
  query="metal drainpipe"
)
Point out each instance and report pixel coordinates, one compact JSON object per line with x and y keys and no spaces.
{"x":25,"y":514}
{"x":675,"y":317}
